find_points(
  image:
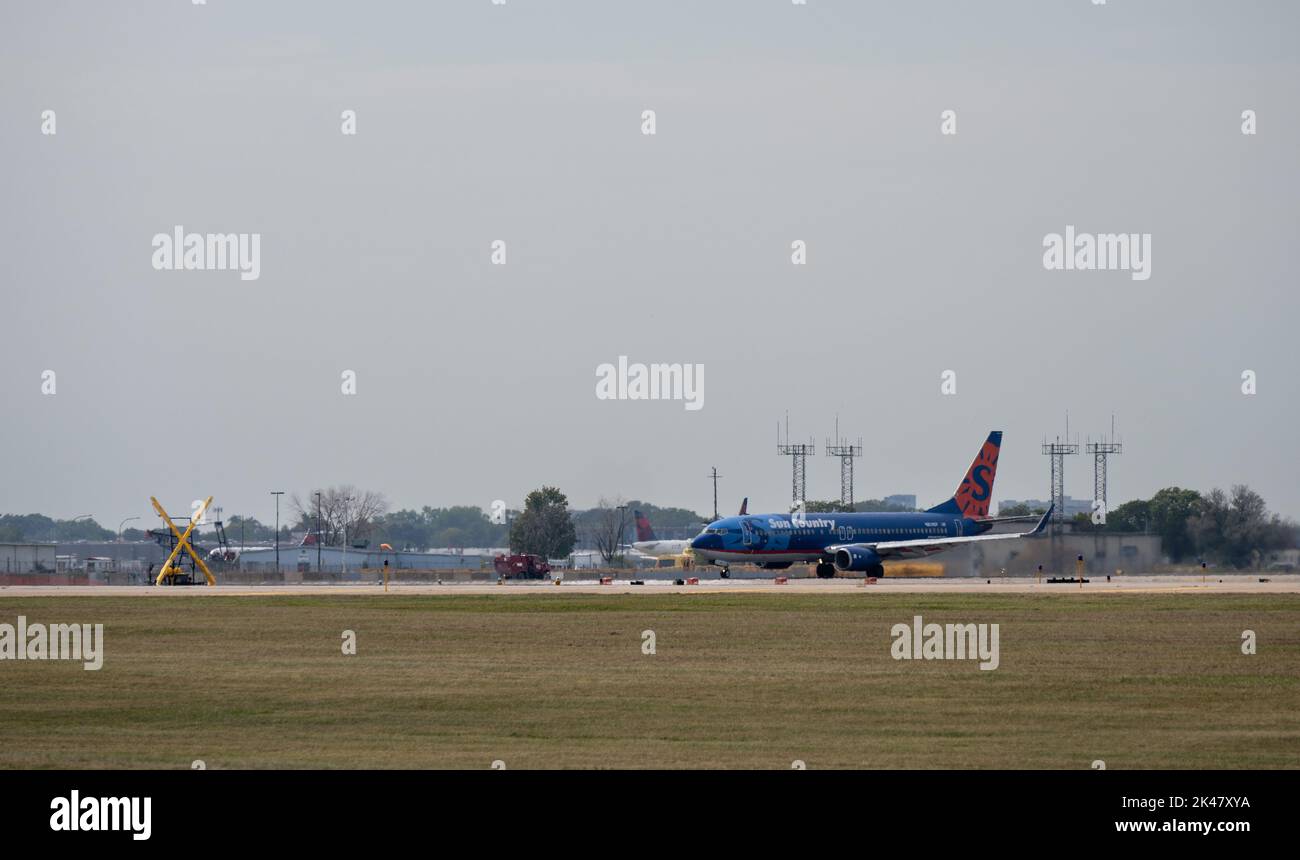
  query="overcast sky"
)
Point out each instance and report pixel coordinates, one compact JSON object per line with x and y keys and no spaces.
{"x":523,"y":122}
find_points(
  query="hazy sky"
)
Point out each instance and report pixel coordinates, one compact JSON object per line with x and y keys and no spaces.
{"x":523,"y":122}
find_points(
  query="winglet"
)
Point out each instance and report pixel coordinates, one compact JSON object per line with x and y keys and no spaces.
{"x":1042,"y":523}
{"x":744,"y":507}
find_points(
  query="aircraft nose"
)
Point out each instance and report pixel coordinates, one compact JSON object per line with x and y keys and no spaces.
{"x":706,"y":541}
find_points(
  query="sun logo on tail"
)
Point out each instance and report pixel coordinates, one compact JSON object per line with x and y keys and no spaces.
{"x":976,"y":490}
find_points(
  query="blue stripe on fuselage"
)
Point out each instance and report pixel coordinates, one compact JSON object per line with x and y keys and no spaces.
{"x":775,"y":533}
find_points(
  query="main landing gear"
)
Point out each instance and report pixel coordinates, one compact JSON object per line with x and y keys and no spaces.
{"x":725,"y":573}
{"x":825,"y":570}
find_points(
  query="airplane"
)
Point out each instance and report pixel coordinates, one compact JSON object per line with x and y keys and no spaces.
{"x":647,"y":544}
{"x":861,"y":542}
{"x":232,"y":553}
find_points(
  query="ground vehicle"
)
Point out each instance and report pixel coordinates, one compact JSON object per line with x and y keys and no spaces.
{"x":521,"y":566}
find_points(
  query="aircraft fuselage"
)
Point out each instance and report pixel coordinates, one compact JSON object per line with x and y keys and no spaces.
{"x":767,"y":538}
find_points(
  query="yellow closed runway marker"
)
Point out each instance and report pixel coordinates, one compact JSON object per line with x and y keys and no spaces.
{"x":182,"y":542}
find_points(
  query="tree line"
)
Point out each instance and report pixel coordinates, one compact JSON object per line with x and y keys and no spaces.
{"x":362,"y":516}
{"x":1233,"y":528}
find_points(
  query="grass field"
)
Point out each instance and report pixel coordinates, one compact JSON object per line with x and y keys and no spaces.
{"x":746,"y":680}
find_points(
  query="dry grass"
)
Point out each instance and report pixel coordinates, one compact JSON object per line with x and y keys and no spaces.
{"x":555,"y":680}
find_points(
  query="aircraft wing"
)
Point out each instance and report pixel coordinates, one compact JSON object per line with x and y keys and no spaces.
{"x":921,"y":548}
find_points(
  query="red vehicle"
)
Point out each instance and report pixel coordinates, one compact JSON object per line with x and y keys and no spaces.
{"x":521,"y":566}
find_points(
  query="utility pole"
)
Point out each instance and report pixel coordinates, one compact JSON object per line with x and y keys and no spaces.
{"x":119,"y":527}
{"x":715,"y":494}
{"x":277,"y":494}
{"x":346,"y":502}
{"x":622,"y":527}
{"x":318,"y":531}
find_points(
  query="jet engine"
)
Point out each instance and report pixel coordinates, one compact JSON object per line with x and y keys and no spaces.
{"x":858,"y":558}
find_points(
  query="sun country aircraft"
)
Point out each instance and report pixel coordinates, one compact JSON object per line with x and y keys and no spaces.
{"x":647,"y":544}
{"x":862,"y":541}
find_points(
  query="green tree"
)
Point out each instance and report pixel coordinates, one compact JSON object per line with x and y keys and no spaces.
{"x":38,"y":527}
{"x":826,"y":507}
{"x":544,"y":527}
{"x":429,"y":527}
{"x":249,"y":529}
{"x":878,"y":506}
{"x":1129,"y":517}
{"x":1083,"y":523}
{"x":1169,"y":511}
{"x":471,"y":524}
{"x":670,"y":518}
{"x":454,"y":537}
{"x":405,"y":529}
{"x":1236,"y":528}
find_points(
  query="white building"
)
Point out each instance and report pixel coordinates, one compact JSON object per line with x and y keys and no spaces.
{"x":28,"y":557}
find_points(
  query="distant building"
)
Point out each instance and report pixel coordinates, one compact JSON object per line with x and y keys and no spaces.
{"x":1103,"y":553}
{"x":334,"y":559}
{"x":902,"y":501}
{"x":145,"y":551}
{"x":28,"y":557}
{"x":585,"y":560}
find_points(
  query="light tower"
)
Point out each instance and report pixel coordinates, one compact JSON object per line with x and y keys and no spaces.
{"x":1100,"y":451}
{"x":846,"y":451}
{"x":1057,"y":451}
{"x":798,"y":452}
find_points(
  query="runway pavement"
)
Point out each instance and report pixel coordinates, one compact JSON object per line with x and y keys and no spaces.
{"x":1234,"y":584}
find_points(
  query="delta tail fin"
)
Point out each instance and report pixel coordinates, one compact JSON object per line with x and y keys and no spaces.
{"x":975,"y":491}
{"x":643,"y":530}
